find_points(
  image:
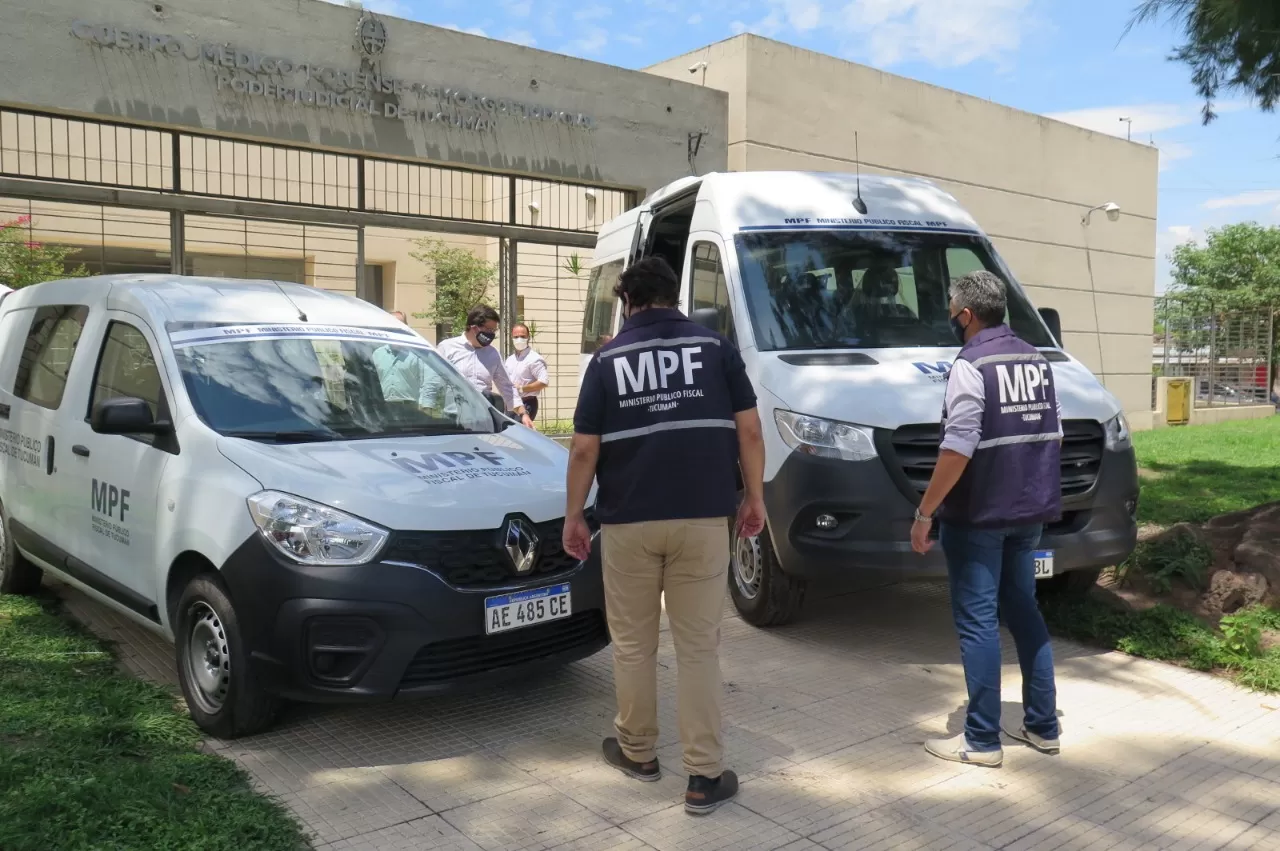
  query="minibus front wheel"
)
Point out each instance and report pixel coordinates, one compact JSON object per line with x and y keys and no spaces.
{"x":762,"y":592}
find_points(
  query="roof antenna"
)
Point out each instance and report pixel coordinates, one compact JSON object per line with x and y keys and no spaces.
{"x":302,"y":317}
{"x":858,"y":203}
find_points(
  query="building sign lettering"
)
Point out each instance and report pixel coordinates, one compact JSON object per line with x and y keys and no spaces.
{"x":240,"y":72}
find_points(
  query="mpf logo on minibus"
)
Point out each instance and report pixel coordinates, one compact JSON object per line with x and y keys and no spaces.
{"x":935,"y":372}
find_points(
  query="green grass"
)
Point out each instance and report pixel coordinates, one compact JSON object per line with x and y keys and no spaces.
{"x":1171,"y":635}
{"x":91,"y":758}
{"x":1197,"y":472}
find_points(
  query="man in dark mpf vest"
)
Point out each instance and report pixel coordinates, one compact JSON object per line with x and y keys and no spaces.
{"x":997,"y":482}
{"x":665,"y":416}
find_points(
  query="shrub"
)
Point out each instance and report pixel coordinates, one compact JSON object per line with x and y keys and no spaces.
{"x":1178,"y":555}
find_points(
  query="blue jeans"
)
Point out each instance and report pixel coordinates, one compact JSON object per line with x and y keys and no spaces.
{"x":992,"y":574}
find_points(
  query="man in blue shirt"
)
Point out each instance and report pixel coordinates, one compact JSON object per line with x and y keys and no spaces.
{"x":665,"y":417}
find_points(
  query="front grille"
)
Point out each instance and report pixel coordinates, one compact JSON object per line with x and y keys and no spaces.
{"x":445,"y":661}
{"x":915,"y":448}
{"x":475,"y":559}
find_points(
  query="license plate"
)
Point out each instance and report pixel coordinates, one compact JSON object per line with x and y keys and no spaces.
{"x":1044,"y":564}
{"x":526,"y":608}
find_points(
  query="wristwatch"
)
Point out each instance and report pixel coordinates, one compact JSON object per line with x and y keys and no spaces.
{"x":922,"y":518}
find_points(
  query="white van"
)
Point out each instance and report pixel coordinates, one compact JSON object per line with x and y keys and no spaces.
{"x":218,"y":461}
{"x":842,"y":319}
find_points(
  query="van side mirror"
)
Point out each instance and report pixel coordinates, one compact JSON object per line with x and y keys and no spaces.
{"x":1054,"y":321}
{"x":707,"y":317}
{"x":126,"y":415}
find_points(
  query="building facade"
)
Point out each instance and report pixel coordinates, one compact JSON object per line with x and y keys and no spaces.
{"x":1030,"y":181}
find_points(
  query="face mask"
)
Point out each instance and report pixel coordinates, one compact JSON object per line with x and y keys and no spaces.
{"x":485,"y":338}
{"x":957,"y":328}
{"x":626,"y":310}
{"x":520,"y":343}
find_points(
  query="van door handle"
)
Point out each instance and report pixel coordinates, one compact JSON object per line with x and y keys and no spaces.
{"x":81,"y":450}
{"x":48,"y":460}
{"x":4,"y":412}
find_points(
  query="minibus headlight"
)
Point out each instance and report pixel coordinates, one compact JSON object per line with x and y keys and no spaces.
{"x":1117,"y":429}
{"x":315,"y":534}
{"x":825,"y":438}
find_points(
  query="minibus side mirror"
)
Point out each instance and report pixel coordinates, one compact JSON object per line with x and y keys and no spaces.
{"x":1054,"y":321}
{"x":126,"y":415}
{"x":707,"y":317}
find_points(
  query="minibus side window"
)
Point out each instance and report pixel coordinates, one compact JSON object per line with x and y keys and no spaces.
{"x":597,"y":320}
{"x":48,"y":352}
{"x":710,"y":289}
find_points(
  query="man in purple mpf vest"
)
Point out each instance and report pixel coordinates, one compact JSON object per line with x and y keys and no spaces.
{"x":997,"y":482}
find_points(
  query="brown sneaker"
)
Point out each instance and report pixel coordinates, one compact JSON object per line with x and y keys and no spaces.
{"x":647,"y":772}
{"x":705,"y":795}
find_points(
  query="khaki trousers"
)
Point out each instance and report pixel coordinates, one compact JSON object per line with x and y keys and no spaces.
{"x":687,"y":561}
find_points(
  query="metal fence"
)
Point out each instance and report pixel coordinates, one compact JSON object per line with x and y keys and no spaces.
{"x":1230,"y":354}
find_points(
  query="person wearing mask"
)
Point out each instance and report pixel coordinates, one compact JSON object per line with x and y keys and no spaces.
{"x":666,"y":417}
{"x":527,"y":369}
{"x":473,"y":355}
{"x":997,"y":481}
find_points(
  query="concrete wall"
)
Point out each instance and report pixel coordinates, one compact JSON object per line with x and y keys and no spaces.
{"x":1027,"y":179}
{"x":640,"y":123}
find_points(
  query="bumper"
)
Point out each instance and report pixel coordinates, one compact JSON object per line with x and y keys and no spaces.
{"x":874,"y":519}
{"x":387,"y":629}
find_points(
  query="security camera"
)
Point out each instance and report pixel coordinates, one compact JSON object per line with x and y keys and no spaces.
{"x":590,"y":194}
{"x":534,"y":207}
{"x":1113,"y":211}
{"x":697,"y":66}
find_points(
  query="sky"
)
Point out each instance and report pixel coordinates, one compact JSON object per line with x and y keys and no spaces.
{"x":1068,"y":59}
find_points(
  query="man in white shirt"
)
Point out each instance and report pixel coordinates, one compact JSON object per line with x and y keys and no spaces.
{"x":473,"y":355}
{"x":527,"y":369}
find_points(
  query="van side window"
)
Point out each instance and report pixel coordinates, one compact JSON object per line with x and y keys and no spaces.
{"x":597,"y":324}
{"x":46,"y":356}
{"x":710,"y":289}
{"x":127,"y":369}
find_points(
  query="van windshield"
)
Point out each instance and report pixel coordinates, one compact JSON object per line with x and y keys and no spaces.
{"x":291,"y":387}
{"x":832,"y":289}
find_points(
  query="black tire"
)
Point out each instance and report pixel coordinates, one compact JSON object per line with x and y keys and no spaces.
{"x":1073,"y":583}
{"x":222,"y":693}
{"x":765,"y":595}
{"x":17,"y":575}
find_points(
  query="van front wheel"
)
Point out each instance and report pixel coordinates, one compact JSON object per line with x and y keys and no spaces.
{"x":762,"y":592}
{"x":222,"y":693}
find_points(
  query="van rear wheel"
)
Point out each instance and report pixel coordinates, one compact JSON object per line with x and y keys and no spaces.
{"x":17,"y":575}
{"x":762,"y":592}
{"x":222,"y":693}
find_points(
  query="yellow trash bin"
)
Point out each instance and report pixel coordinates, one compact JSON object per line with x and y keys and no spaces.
{"x":1179,"y":401}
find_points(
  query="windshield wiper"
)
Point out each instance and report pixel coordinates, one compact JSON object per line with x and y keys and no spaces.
{"x":425,"y":429}
{"x":298,"y":436}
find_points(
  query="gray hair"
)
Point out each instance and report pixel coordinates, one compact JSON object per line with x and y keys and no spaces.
{"x":984,"y":294}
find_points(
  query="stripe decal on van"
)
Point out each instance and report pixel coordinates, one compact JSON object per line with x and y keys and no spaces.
{"x":240,"y":333}
{"x":877,"y":227}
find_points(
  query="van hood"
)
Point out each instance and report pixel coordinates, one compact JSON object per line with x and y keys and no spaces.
{"x":897,"y":387}
{"x":437,"y":483}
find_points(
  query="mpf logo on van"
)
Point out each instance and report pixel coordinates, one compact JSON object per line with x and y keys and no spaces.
{"x":935,"y":372}
{"x":442,"y":468}
{"x":654,"y":373}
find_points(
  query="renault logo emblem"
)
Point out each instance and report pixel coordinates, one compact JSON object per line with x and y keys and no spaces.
{"x":521,"y":544}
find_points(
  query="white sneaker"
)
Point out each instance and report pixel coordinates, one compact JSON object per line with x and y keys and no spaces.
{"x":957,"y":750}
{"x":1040,"y":743}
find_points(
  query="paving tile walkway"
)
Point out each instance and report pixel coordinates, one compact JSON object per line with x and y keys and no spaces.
{"x":824,"y":721}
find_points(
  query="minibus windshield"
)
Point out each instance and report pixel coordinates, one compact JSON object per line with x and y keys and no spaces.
{"x":295,"y":388}
{"x":833,"y":289}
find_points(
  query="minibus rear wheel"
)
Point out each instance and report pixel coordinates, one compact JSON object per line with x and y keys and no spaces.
{"x":17,"y":575}
{"x":762,"y":592}
{"x":224,"y":697}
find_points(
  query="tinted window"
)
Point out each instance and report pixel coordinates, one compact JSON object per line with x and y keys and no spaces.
{"x":46,"y":357}
{"x":597,"y":320}
{"x":710,"y":290}
{"x":127,"y":369}
{"x":865,"y":289}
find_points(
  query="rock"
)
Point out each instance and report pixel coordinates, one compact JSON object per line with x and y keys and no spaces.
{"x":1259,"y":548}
{"x":1229,"y":592}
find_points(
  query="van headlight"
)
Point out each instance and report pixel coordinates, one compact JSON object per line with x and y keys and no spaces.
{"x":315,"y":534}
{"x":1117,"y":429}
{"x":825,"y":438}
